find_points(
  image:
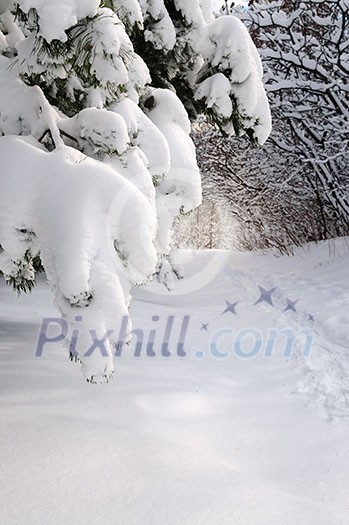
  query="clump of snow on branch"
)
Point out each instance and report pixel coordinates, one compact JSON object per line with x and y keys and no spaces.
{"x":227,"y":46}
{"x":159,"y":28}
{"x":55,"y":17}
{"x":191,"y":11}
{"x":180,"y":190}
{"x":98,"y":61}
{"x":129,"y":12}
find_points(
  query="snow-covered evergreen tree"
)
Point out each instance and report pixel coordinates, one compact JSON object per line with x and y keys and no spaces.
{"x":96,"y":158}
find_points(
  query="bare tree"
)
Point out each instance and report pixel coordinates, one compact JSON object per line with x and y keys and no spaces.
{"x":262,"y":199}
{"x":305,"y":46}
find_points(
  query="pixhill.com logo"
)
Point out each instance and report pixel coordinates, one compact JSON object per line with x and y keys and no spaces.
{"x":174,"y":336}
{"x":145,"y":341}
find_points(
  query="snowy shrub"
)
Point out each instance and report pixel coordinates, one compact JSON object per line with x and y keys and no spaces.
{"x":96,"y":157}
{"x":252,"y":198}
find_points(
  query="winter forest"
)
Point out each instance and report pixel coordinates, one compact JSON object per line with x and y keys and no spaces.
{"x":174,"y":262}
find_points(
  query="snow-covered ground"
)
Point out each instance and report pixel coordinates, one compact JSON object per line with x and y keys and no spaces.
{"x":214,"y":437}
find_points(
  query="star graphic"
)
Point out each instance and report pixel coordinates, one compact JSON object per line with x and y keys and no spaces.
{"x":230,"y":307}
{"x":204,"y":326}
{"x":265,"y":296}
{"x":311,"y":318}
{"x":291,"y":305}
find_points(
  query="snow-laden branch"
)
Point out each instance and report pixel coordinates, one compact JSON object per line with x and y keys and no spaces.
{"x":95,"y":138}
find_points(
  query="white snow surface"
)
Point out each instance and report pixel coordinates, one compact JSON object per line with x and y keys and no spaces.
{"x":254,"y":441}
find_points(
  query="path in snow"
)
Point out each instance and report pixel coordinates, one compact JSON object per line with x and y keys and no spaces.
{"x":194,"y":440}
